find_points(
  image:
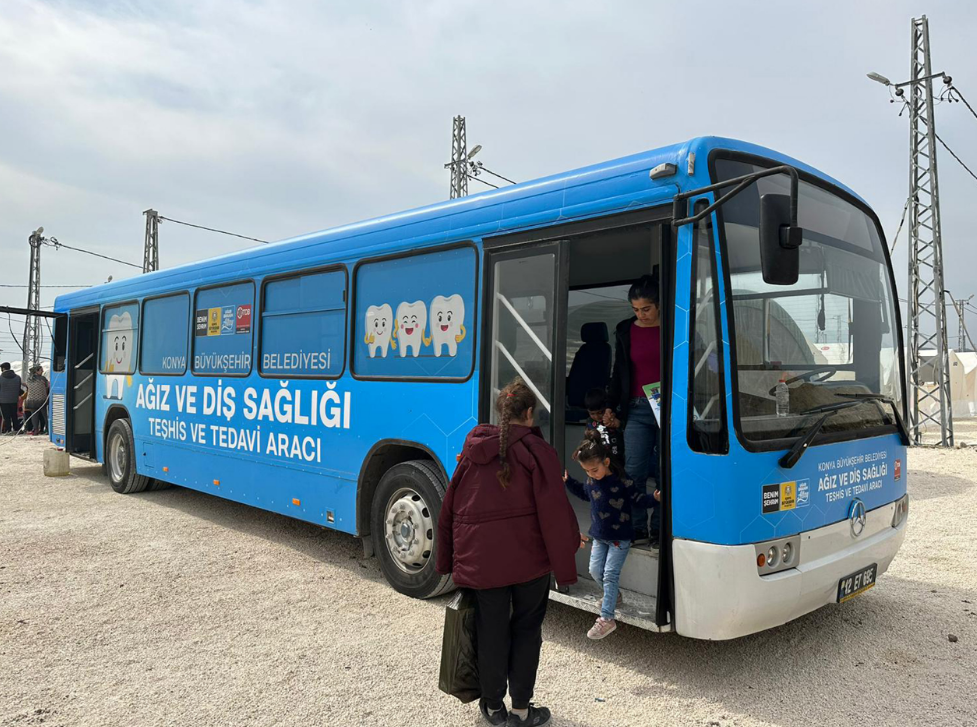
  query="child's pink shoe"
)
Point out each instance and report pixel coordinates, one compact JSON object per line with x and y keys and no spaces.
{"x":601,"y":628}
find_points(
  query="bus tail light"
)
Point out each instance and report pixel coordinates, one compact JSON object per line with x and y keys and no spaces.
{"x":774,"y":556}
{"x":902,"y":510}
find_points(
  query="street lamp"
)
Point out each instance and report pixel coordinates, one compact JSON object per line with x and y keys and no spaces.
{"x":879,"y":78}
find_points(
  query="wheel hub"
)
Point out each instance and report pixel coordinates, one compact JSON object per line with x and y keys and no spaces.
{"x":409,"y":530}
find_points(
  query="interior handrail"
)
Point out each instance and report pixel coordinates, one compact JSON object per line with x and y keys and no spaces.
{"x":525,"y":377}
{"x":525,"y":326}
{"x":88,"y":358}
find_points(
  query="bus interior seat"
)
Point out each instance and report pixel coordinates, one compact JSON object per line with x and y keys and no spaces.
{"x":591,"y":368}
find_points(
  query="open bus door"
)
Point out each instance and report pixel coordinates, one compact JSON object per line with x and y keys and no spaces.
{"x":549,"y":294}
{"x":82,"y":368}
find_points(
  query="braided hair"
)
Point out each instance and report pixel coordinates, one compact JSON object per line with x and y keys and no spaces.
{"x":593,"y":448}
{"x":513,"y":402}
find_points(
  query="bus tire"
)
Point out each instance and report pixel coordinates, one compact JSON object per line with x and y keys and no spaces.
{"x":404,"y":523}
{"x":120,"y":459}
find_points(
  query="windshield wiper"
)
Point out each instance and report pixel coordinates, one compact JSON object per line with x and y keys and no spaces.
{"x":801,"y":445}
{"x":900,"y":423}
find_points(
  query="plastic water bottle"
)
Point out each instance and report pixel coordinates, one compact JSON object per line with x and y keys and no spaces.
{"x":783,"y":398}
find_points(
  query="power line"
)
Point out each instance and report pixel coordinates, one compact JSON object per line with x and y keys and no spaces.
{"x":7,"y":285}
{"x":212,"y":229}
{"x":955,"y":90}
{"x":959,"y":160}
{"x":493,"y":186}
{"x":53,"y":242}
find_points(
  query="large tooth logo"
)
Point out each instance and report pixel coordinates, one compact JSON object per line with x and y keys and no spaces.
{"x":379,"y":327}
{"x":409,"y":327}
{"x":120,"y":340}
{"x":447,"y":323}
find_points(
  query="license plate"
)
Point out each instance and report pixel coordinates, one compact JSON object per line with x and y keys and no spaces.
{"x":858,"y":582}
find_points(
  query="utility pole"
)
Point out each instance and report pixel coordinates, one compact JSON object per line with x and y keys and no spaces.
{"x":32,"y":340}
{"x":962,"y":333}
{"x":150,"y":255}
{"x":926,"y":325}
{"x":927,"y":313}
{"x":459,"y":159}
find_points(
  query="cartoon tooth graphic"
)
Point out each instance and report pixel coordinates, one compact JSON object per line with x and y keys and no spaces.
{"x":447,"y":323}
{"x":379,"y":327}
{"x":409,"y":327}
{"x":119,"y":354}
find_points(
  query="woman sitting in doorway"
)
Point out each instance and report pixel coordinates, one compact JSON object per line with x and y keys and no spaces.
{"x":637,"y":365}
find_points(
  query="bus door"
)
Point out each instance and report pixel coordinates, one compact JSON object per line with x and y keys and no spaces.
{"x":82,"y":368}
{"x":525,"y":329}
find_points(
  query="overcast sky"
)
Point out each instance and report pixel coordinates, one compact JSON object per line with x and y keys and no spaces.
{"x":277,"y":118}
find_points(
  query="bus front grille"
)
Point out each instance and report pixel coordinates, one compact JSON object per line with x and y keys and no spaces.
{"x":57,"y":414}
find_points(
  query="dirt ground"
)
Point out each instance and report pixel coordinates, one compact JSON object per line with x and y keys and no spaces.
{"x":177,"y":608}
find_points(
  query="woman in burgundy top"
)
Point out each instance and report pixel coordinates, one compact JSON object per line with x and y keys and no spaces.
{"x":637,"y":363}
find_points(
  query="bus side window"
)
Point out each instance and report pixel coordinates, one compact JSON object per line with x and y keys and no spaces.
{"x":707,"y":410}
{"x":303,"y":325}
{"x":165,"y":322}
{"x":222,"y":330}
{"x":414,"y":315}
{"x":60,"y":343}
{"x":120,"y":329}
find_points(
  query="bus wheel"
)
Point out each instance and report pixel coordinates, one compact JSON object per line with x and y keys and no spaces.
{"x":404,"y":522}
{"x":120,"y":459}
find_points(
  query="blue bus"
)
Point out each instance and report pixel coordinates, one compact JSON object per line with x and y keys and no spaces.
{"x":333,"y":377}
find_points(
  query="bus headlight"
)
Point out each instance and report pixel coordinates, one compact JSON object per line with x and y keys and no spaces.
{"x":901,"y":511}
{"x":777,"y":555}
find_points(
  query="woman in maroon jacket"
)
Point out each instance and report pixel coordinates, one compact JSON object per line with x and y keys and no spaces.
{"x":505,"y":525}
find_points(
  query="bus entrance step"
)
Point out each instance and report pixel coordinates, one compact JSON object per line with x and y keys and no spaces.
{"x":637,"y":609}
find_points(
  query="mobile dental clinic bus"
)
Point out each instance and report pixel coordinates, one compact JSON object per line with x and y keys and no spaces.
{"x":333,"y":377}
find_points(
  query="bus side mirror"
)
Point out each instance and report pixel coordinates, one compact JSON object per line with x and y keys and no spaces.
{"x":779,"y":241}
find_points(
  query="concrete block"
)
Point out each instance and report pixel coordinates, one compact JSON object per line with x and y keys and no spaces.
{"x":56,"y":463}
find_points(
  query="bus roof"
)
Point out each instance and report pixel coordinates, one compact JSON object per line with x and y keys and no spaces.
{"x":612,"y":186}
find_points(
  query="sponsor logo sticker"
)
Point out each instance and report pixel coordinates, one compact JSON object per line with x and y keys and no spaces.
{"x":788,"y":495}
{"x":243,"y":319}
{"x":897,"y":470}
{"x":213,"y":321}
{"x":200,"y":322}
{"x":783,"y":496}
{"x":771,"y":498}
{"x":227,"y":320}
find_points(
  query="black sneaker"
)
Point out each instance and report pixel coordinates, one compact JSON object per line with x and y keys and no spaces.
{"x":655,"y":542}
{"x":537,"y":716}
{"x":495,"y":718}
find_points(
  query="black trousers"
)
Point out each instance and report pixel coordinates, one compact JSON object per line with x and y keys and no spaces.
{"x":509,"y":622}
{"x":9,"y":414}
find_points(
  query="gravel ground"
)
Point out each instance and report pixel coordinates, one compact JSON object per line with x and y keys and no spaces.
{"x":177,"y":608}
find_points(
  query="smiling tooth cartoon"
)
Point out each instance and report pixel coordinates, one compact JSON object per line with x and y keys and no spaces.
{"x":447,"y":323}
{"x":119,"y":354}
{"x":379,"y":326}
{"x":409,"y":327}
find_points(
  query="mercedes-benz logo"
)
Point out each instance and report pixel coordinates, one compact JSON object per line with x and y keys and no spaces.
{"x":856,"y":517}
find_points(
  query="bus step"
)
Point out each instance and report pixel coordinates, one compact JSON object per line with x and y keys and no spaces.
{"x":637,"y":610}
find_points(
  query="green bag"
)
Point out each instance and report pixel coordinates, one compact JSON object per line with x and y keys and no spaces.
{"x":459,"y":649}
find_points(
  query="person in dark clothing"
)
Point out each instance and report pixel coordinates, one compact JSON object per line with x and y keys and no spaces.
{"x":637,"y":364}
{"x":505,"y":525}
{"x":595,"y":401}
{"x":35,"y":405}
{"x":612,"y":496}
{"x":10,"y":391}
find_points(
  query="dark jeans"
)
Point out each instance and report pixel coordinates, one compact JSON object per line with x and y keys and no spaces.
{"x":509,"y":624}
{"x":36,"y":419}
{"x":641,"y":459}
{"x":11,"y":423}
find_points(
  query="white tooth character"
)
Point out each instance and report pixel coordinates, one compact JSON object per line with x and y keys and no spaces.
{"x":120,"y":339}
{"x":379,"y":326}
{"x":447,"y":323}
{"x":409,"y":327}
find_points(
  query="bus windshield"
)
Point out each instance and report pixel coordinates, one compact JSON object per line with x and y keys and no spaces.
{"x":833,"y":332}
